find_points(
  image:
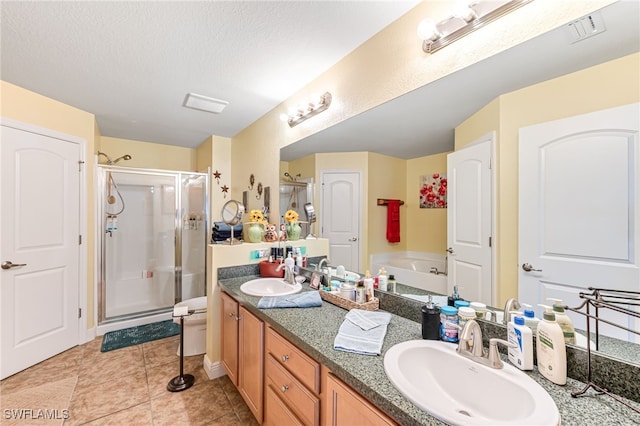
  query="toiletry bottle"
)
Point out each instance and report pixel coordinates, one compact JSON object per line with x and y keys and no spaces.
{"x":383,"y":280}
{"x":368,"y":283}
{"x":430,"y":321}
{"x":530,"y":318}
{"x":392,"y":283}
{"x":550,"y":348}
{"x":465,"y":313}
{"x":480,"y":308}
{"x":565,"y":322}
{"x":448,"y":323}
{"x":361,"y":293}
{"x":455,"y":296}
{"x":518,"y":333}
{"x":340,"y":271}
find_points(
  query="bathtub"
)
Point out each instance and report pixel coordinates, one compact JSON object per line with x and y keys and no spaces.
{"x":412,"y":269}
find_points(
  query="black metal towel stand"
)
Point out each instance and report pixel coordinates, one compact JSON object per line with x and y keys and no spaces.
{"x":601,"y":298}
{"x":183,"y":381}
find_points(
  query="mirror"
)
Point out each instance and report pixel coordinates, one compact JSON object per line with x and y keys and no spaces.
{"x":400,"y":127}
{"x":232,"y":212}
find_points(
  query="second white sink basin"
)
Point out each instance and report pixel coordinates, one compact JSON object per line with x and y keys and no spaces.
{"x":269,"y":287}
{"x":458,"y":391}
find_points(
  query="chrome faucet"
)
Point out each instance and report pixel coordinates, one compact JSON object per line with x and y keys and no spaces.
{"x":470,"y":346}
{"x":511,"y":305}
{"x":289,"y":276}
{"x":322,"y":262}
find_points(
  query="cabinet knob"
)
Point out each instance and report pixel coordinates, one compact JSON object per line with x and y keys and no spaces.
{"x":284,"y":358}
{"x":230,"y":314}
{"x":285,"y":388}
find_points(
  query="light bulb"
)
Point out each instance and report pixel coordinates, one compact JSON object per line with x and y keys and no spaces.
{"x":284,"y":117}
{"x":464,"y":12}
{"x":427,"y":30}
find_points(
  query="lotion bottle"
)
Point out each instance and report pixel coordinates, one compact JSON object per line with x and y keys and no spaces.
{"x":519,"y":334}
{"x":550,"y":348}
{"x":565,"y":322}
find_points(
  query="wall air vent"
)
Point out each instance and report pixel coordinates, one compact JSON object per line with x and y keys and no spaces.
{"x":586,"y":27}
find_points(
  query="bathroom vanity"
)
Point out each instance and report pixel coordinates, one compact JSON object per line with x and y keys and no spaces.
{"x":325,"y":386}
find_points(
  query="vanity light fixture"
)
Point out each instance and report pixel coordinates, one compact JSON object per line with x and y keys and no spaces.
{"x":204,"y":103}
{"x":308,"y":110}
{"x":464,"y":20}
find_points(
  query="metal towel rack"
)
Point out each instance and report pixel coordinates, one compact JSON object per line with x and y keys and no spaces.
{"x":601,"y":298}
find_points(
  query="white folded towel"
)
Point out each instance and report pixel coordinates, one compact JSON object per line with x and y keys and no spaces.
{"x":362,"y":332}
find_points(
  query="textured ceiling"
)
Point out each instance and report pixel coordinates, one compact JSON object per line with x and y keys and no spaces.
{"x":132,"y":63}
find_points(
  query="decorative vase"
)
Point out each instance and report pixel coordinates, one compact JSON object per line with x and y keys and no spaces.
{"x":293,"y":231}
{"x":255,"y":232}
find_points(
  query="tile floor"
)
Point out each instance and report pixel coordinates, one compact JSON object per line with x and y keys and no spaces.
{"x":122,"y":387}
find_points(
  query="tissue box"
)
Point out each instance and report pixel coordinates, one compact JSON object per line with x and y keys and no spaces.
{"x":269,"y":270}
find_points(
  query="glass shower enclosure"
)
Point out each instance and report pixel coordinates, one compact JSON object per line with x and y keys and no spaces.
{"x":152,"y":240}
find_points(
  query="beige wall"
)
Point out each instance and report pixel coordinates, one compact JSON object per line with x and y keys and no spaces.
{"x":388,"y":65}
{"x":387,"y":179}
{"x":610,"y":84}
{"x":204,"y":155}
{"x":29,"y":107}
{"x":149,"y":155}
{"x":428,"y":226}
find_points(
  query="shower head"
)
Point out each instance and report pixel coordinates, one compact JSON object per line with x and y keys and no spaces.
{"x":109,"y":161}
{"x":125,"y":157}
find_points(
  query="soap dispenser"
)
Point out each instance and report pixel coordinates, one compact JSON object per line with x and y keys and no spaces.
{"x":564,"y":321}
{"x":551,"y":350}
{"x":430,"y":321}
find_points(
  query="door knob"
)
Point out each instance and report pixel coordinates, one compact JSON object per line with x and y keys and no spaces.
{"x":450,"y":250}
{"x":8,"y":264}
{"x":353,"y":239}
{"x":528,"y":268}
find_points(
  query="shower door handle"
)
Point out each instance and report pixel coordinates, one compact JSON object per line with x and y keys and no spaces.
{"x":8,"y":264}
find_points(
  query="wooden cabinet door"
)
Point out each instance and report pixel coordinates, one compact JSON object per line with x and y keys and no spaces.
{"x":229,"y":336}
{"x":343,"y":407}
{"x":251,"y":362}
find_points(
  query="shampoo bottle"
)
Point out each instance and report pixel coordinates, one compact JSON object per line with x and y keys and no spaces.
{"x":518,"y":333}
{"x":565,"y":322}
{"x":550,"y":348}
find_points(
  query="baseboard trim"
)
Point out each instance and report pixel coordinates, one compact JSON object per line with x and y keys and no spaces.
{"x":89,"y":335}
{"x":213,"y":369}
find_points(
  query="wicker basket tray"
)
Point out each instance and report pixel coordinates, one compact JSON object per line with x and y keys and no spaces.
{"x":347,"y":304}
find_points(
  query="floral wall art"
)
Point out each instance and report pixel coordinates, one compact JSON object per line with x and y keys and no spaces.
{"x":433,"y":191}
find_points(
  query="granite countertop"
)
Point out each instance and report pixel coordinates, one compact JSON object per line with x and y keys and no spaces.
{"x":314,"y":329}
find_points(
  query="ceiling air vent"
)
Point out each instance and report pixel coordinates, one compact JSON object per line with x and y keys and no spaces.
{"x":586,"y":27}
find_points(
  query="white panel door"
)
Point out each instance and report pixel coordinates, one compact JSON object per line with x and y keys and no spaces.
{"x":579,"y":224}
{"x":340,"y":216}
{"x":469,"y":222}
{"x":39,"y":228}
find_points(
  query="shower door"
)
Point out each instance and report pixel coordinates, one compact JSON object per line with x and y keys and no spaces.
{"x":153,"y":240}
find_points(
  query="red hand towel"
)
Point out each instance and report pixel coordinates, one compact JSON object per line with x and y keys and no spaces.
{"x":393,"y":221}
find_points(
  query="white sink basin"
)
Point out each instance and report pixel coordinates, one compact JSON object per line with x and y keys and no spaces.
{"x":459,"y":391}
{"x":269,"y":287}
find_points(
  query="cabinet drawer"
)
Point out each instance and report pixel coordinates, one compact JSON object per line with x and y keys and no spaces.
{"x":295,"y":396}
{"x":276,"y":412}
{"x":294,"y":360}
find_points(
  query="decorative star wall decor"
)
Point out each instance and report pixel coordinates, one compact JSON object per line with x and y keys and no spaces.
{"x":217,"y":175}
{"x":225,"y":190}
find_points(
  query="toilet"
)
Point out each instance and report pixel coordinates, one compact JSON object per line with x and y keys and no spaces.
{"x":195,"y":326}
